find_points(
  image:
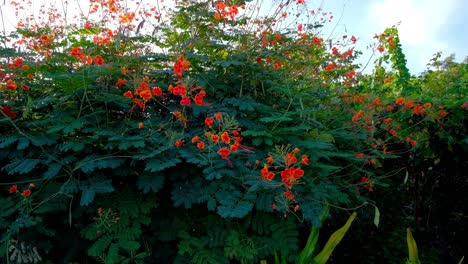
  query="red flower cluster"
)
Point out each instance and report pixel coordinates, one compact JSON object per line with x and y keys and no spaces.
{"x":25,"y":193}
{"x":181,"y":64}
{"x":8,"y":111}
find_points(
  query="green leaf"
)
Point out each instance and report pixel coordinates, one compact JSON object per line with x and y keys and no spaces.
{"x":150,"y":182}
{"x":306,"y":255}
{"x":376,"y":217}
{"x":333,"y":241}
{"x":93,"y":162}
{"x":5,"y":142}
{"x":93,"y":186}
{"x":157,"y":164}
{"x":412,"y":248}
{"x":22,"y":166}
{"x":53,"y":170}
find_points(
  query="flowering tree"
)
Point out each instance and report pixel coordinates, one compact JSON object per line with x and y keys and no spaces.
{"x":190,"y":131}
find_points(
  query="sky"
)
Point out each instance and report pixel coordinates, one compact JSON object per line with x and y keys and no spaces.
{"x":426,"y":26}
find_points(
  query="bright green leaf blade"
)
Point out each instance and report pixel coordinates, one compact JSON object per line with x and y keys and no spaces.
{"x":334,"y":240}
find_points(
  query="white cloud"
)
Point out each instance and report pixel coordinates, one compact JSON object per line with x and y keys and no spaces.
{"x":421,"y":22}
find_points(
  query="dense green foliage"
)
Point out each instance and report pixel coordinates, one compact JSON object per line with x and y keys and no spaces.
{"x":101,"y":133}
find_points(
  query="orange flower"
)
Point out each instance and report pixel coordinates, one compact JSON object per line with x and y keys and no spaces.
{"x":11,"y":85}
{"x":442,"y":113}
{"x":13,"y":188}
{"x":288,"y":195}
{"x":357,"y":116}
{"x":389,"y":108}
{"x":234,"y":147}
{"x":387,"y":120}
{"x":330,"y":67}
{"x":290,"y":159}
{"x":218,"y":116}
{"x":399,"y":101}
{"x":296,"y":150}
{"x":128,"y":94}
{"x":220,"y":5}
{"x":267,"y":175}
{"x":305,"y":160}
{"x":270,"y":160}
{"x":195,"y":139}
{"x":26,"y":193}
{"x":359,"y":155}
{"x":393,"y":132}
{"x":427,"y":105}
{"x":140,"y":125}
{"x":121,"y":82}
{"x":418,"y":110}
{"x":201,"y":145}
{"x":225,"y":137}
{"x":224,"y":152}
{"x":179,"y":143}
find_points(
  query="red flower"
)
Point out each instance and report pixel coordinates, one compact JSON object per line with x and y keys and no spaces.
{"x":195,"y":139}
{"x":13,"y":189}
{"x":225,"y":137}
{"x":234,"y":147}
{"x":201,"y":145}
{"x":185,"y":101}
{"x":299,"y":27}
{"x":220,"y":5}
{"x":288,"y":195}
{"x":11,"y":85}
{"x":267,"y":175}
{"x":128,"y":94}
{"x":218,"y":116}
{"x":76,"y":52}
{"x":140,"y":125}
{"x":270,"y":160}
{"x":442,"y":113}
{"x":387,"y":120}
{"x":26,"y":193}
{"x":198,"y":99}
{"x":418,"y":110}
{"x":290,"y":159}
{"x":380,"y":48}
{"x":181,"y":64}
{"x":465,"y":105}
{"x":353,"y":39}
{"x":179,"y":90}
{"x":215,"y":138}
{"x":399,"y":101}
{"x":364,"y":179}
{"x":393,"y":132}
{"x":209,"y":121}
{"x":305,"y":160}
{"x":156,"y":91}
{"x":224,"y":152}
{"x":357,"y":116}
{"x":359,"y":155}
{"x":179,"y":143}
{"x":330,"y":67}
{"x":334,"y":51}
{"x":121,"y":82}
{"x":98,"y":60}
{"x":317,"y":40}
